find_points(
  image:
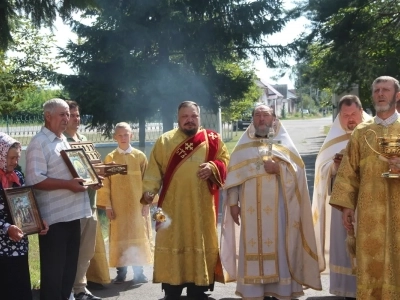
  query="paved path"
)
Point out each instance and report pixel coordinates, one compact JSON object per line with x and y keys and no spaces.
{"x":308,"y":136}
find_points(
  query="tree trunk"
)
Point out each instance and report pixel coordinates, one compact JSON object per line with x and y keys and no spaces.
{"x":167,"y":117}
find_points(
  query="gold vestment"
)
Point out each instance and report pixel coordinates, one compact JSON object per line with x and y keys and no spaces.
{"x":186,"y":247}
{"x":129,"y":235}
{"x":359,"y":185}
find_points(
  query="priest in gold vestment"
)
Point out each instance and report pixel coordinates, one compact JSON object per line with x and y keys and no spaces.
{"x":268,"y":243}
{"x":189,"y":163}
{"x":360,"y":186}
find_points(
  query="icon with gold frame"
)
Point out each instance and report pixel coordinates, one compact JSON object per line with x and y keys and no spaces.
{"x":79,"y":165}
{"x":23,"y":208}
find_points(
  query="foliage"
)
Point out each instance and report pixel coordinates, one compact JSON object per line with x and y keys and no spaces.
{"x":138,"y":58}
{"x":33,"y":99}
{"x":42,"y":12}
{"x":24,"y":66}
{"x":351,"y":42}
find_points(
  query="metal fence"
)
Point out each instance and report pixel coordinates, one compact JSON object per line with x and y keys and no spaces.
{"x":24,"y":127}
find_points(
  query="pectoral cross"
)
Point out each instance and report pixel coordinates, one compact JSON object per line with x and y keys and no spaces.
{"x":267,"y":151}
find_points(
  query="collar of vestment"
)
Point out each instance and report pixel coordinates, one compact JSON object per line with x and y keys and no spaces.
{"x":127,"y":151}
{"x":389,"y":121}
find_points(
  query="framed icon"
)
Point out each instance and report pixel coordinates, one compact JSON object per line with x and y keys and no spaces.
{"x":23,"y":209}
{"x":79,"y":165}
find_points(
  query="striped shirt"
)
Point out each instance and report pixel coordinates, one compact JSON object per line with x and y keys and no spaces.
{"x":43,"y":160}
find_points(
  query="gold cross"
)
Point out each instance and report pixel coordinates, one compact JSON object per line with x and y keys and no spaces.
{"x":188,"y":146}
{"x":252,"y":243}
{"x":267,"y":210}
{"x":213,"y":135}
{"x":251,"y":210}
{"x":268,"y":242}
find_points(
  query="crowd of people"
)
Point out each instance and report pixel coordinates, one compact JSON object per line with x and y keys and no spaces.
{"x":275,"y":242}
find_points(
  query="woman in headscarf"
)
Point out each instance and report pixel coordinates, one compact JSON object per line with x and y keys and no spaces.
{"x":15,"y":280}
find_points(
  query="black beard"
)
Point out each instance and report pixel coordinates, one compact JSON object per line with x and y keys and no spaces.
{"x":189,"y":132}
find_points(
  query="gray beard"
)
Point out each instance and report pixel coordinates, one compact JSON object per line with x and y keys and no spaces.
{"x":263,"y":132}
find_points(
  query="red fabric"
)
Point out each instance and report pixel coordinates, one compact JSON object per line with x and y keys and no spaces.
{"x":7,"y":179}
{"x":180,"y":154}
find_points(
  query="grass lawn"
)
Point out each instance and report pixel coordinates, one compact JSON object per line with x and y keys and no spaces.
{"x":34,"y":261}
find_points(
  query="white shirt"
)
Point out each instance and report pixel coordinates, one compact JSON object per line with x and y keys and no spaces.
{"x":127,"y":151}
{"x":43,"y":160}
{"x":389,"y":121}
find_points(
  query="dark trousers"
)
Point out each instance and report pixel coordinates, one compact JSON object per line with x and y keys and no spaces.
{"x":173,"y":292}
{"x":59,"y":251}
{"x":122,"y":271}
{"x":15,"y":281}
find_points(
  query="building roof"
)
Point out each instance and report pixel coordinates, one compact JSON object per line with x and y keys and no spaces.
{"x":271,"y":92}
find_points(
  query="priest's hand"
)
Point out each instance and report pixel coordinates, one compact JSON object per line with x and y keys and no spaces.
{"x":205,"y":171}
{"x":271,"y":167}
{"x":394,"y":164}
{"x":348,"y":218}
{"x":235,"y":213}
{"x":337,"y":159}
{"x":147,"y":198}
{"x":110,"y":214}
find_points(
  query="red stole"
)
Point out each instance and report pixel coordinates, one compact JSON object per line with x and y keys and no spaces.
{"x":183,"y":151}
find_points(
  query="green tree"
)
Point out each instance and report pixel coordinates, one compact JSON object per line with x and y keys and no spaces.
{"x":351,"y":42}
{"x":24,"y":66}
{"x":40,"y":13}
{"x":34,"y":98}
{"x":139,"y":58}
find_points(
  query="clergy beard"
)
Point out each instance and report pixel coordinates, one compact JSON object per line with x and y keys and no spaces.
{"x":386,"y":107}
{"x":189,"y":132}
{"x":262,"y":132}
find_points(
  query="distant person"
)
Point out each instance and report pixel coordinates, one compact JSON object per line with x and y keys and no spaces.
{"x":62,"y":202}
{"x":329,"y":232}
{"x":189,"y":163}
{"x":130,"y":225}
{"x":15,"y":282}
{"x":90,"y":228}
{"x":268,"y":209}
{"x":359,"y":186}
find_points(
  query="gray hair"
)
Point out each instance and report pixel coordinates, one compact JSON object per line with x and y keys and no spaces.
{"x":52,"y":104}
{"x":387,"y":78}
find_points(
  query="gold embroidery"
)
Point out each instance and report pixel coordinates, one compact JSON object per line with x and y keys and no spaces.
{"x":188,"y":146}
{"x":181,"y":152}
{"x":268,"y":210}
{"x":268,"y":242}
{"x":252,"y":243}
{"x":212,"y":135}
{"x":251,"y":210}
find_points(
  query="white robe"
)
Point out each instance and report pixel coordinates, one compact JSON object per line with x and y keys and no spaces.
{"x":273,"y":252}
{"x":329,"y":231}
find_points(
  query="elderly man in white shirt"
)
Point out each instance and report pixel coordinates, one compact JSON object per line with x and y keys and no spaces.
{"x":62,"y":202}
